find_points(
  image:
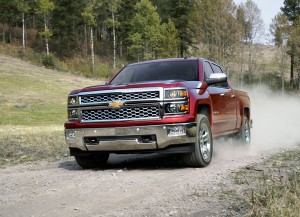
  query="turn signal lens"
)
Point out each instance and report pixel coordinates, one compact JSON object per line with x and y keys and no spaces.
{"x":184,"y":107}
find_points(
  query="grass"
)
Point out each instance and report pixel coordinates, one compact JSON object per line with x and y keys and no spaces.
{"x":31,"y":146}
{"x":33,"y":110}
{"x":272,"y":189}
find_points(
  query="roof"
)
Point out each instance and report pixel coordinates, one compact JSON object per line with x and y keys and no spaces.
{"x":166,"y":60}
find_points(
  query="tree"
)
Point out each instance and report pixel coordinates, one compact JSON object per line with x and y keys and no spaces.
{"x":67,"y":25}
{"x":169,"y":40}
{"x":113,"y":23}
{"x":8,"y":15}
{"x":89,"y":17}
{"x":291,"y":9}
{"x":23,"y":7}
{"x":253,"y":28}
{"x":145,"y":33}
{"x":181,"y":14}
{"x":125,"y":14}
{"x":280,"y":30}
{"x":44,"y":9}
{"x":217,"y":29}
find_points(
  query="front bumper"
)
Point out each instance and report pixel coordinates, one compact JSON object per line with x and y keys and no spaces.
{"x":130,"y":138}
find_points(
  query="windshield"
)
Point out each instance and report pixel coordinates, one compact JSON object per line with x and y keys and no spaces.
{"x":158,"y":71}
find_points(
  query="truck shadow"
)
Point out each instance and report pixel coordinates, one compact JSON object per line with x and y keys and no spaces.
{"x":133,"y":161}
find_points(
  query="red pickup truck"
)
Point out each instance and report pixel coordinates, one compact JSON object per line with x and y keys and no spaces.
{"x":170,"y":106}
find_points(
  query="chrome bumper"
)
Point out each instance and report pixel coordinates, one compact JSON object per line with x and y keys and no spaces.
{"x":127,"y":138}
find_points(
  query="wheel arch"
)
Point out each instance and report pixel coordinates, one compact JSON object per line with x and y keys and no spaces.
{"x":205,"y":109}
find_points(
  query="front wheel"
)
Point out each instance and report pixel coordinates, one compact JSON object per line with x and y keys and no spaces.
{"x":202,"y":155}
{"x":92,"y":161}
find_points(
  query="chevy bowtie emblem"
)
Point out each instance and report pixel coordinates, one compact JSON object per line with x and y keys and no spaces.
{"x":116,"y":104}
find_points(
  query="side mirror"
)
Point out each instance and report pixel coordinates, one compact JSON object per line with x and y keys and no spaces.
{"x":215,"y":78}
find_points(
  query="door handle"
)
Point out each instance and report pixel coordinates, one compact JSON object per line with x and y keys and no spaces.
{"x":222,"y":94}
{"x":232,"y":96}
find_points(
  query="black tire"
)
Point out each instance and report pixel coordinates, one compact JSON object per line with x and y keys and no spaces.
{"x":92,"y":161}
{"x":202,"y":155}
{"x":243,"y":137}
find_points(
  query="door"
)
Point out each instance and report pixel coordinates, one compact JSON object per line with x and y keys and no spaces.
{"x":223,"y":103}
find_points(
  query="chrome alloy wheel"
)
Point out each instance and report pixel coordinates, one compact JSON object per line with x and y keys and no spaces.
{"x":205,"y":142}
{"x":247,"y":132}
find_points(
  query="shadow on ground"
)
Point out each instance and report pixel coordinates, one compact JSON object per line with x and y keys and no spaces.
{"x":133,"y":161}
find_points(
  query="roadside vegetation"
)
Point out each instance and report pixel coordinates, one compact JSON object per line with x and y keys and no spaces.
{"x":33,"y":110}
{"x":271,"y":188}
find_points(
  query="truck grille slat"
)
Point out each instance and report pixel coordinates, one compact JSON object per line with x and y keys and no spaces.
{"x":126,"y":113}
{"x":108,"y":97}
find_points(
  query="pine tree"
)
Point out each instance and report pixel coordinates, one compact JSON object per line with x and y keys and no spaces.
{"x":145,"y":34}
{"x":291,"y":9}
{"x":44,"y":9}
{"x":67,"y":25}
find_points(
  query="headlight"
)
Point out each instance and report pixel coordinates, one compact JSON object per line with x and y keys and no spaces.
{"x":173,"y":108}
{"x":175,"y":93}
{"x":73,"y":114}
{"x":72,"y":100}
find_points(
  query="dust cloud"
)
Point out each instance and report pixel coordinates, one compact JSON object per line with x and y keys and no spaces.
{"x":276,"y":125}
{"x":276,"y":119}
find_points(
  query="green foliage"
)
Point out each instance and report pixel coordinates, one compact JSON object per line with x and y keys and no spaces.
{"x":291,"y":9}
{"x":48,"y":60}
{"x":181,"y":14}
{"x":66,"y":22}
{"x":169,"y":40}
{"x":145,"y":33}
{"x":218,"y":34}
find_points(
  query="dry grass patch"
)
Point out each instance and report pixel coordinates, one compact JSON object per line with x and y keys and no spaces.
{"x":269,"y":189}
{"x":22,"y":144}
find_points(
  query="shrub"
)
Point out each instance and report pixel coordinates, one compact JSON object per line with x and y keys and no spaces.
{"x":48,"y":61}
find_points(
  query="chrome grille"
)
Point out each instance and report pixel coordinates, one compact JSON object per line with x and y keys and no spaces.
{"x":126,"y":113}
{"x":108,"y":97}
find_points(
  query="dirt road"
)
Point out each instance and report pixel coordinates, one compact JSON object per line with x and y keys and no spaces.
{"x":134,"y":185}
{"x":151,"y":185}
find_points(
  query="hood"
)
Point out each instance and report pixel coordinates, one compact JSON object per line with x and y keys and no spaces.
{"x":164,"y":84}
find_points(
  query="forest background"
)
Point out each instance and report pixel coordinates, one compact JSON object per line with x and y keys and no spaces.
{"x":95,"y":38}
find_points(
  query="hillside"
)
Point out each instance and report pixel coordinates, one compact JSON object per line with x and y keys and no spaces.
{"x":34,"y":96}
{"x":33,"y":110}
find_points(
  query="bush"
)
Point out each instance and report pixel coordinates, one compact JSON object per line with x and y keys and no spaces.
{"x":48,"y":61}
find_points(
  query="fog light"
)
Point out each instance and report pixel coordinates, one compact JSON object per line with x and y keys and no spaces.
{"x":176,"y":131}
{"x":73,"y":114}
{"x":70,"y":135}
{"x":172,"y":108}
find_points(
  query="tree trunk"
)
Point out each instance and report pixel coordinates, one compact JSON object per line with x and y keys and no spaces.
{"x":46,"y":36}
{"x":114,"y":36}
{"x":23,"y":34}
{"x":292,"y":71}
{"x":85,"y":43}
{"x":92,"y":50}
{"x":121,"y":49}
{"x":3,"y":34}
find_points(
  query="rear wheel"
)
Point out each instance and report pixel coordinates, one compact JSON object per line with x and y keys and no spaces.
{"x":92,"y":161}
{"x":244,"y":135}
{"x":202,"y":155}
